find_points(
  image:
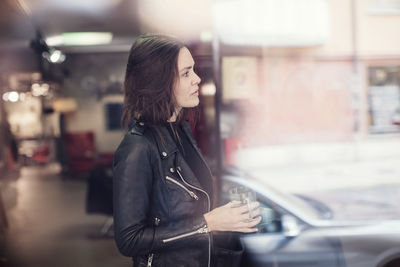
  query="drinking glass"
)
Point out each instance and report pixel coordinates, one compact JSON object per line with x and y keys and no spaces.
{"x":244,"y":195}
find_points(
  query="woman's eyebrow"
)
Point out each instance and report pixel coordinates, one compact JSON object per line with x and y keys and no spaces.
{"x":186,"y":68}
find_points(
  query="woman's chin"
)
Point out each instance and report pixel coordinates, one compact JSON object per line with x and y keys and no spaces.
{"x":192,"y":104}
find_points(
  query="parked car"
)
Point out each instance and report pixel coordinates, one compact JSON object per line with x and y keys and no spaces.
{"x":300,"y":231}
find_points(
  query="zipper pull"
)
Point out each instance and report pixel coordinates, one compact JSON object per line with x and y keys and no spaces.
{"x":156,"y":221}
{"x":150,"y":260}
{"x":193,"y":195}
{"x":203,"y":230}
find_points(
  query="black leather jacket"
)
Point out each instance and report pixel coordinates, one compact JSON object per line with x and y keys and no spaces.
{"x":158,"y":201}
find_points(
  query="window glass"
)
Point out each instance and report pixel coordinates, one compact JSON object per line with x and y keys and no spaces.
{"x":384,"y":99}
{"x":384,"y":6}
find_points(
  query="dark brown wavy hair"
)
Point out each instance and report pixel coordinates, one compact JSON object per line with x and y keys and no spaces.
{"x":151,"y":74}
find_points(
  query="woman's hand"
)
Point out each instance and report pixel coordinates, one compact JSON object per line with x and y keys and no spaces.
{"x":234,"y":217}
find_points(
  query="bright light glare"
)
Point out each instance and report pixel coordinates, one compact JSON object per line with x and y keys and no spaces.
{"x":80,"y":39}
{"x":13,"y":96}
{"x":45,"y":86}
{"x":57,"y":56}
{"x":5,"y":96}
{"x":54,"y":56}
{"x":206,"y":36}
{"x":161,"y":16}
{"x":272,"y":22}
{"x":40,"y":90}
{"x":208,"y":89}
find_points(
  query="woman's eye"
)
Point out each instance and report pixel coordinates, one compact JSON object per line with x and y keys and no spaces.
{"x":186,"y":74}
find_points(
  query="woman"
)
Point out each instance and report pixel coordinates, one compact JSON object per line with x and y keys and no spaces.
{"x":162,"y":185}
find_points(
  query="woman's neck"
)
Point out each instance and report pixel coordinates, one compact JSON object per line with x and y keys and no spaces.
{"x":175,"y":115}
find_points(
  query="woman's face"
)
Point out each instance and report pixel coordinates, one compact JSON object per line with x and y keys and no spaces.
{"x":187,"y":85}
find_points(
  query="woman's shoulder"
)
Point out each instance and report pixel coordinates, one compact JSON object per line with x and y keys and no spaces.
{"x":136,"y":139}
{"x":137,"y":128}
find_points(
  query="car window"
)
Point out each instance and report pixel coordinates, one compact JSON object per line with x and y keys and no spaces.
{"x":281,"y":201}
{"x":271,"y":220}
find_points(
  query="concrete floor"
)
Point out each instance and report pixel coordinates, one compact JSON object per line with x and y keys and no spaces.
{"x":48,"y":225}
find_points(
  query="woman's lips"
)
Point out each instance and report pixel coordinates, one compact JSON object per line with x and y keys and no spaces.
{"x":195,"y":92}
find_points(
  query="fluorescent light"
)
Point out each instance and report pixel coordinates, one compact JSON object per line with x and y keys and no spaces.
{"x":55,"y":40}
{"x":80,"y":39}
{"x":87,"y":38}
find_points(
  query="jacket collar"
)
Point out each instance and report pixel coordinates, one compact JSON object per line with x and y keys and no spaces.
{"x":165,"y":143}
{"x":167,"y":146}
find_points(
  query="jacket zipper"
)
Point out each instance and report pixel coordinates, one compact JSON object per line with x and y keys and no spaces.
{"x":208,"y":197}
{"x":201,"y":230}
{"x":178,"y":170}
{"x":150,"y":259}
{"x":194,"y":187}
{"x":204,"y":229}
{"x":191,"y":193}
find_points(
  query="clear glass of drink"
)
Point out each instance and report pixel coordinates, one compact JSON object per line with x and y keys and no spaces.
{"x":244,"y":195}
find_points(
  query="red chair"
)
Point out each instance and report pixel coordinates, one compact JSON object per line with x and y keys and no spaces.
{"x":82,"y":153}
{"x":41,"y":154}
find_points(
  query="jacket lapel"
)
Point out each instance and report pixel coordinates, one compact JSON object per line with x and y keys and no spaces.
{"x":188,"y":131}
{"x":167,"y":147}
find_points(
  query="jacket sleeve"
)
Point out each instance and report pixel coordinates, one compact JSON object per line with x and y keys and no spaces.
{"x":132,"y":185}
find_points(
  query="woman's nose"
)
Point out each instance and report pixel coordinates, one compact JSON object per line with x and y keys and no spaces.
{"x":196,"y":79}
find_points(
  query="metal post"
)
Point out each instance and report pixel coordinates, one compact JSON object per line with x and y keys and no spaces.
{"x":217,"y":103}
{"x":355,"y":81}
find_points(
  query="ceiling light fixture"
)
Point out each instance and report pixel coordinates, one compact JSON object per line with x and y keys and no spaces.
{"x":80,"y":39}
{"x":40,"y":46}
{"x":54,"y":56}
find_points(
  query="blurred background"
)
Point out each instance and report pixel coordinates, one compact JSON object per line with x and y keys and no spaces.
{"x":302,"y":93}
